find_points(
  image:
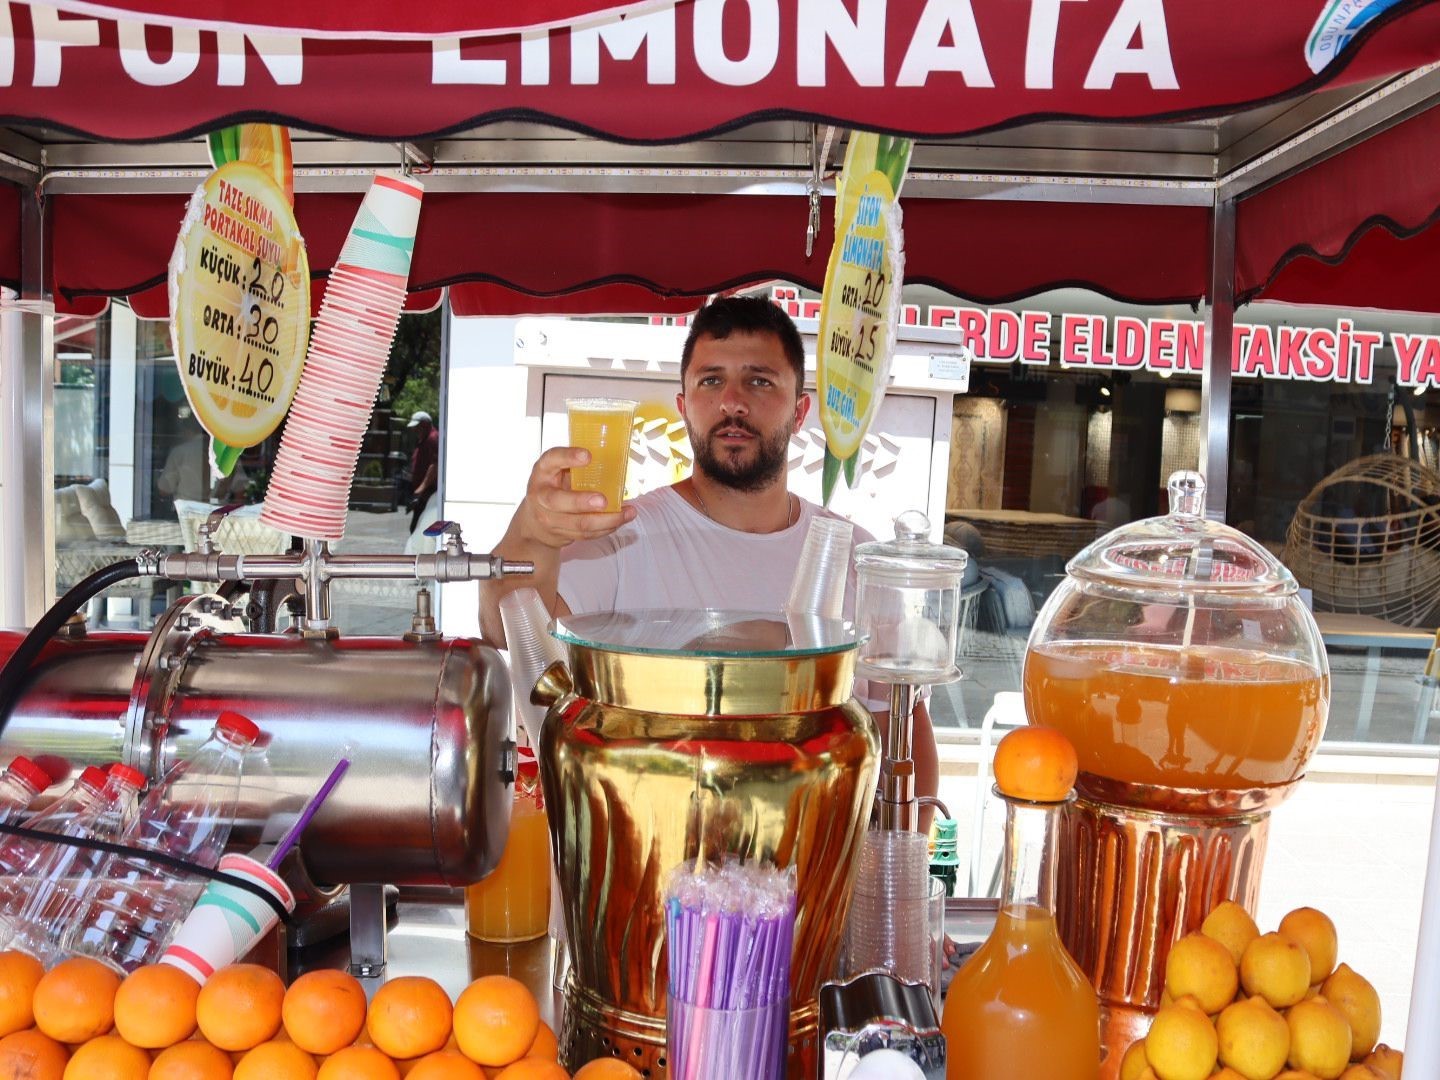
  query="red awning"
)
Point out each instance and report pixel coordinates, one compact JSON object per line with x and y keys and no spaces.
{"x":543,"y":246}
{"x":10,"y":236}
{"x":678,"y":70}
{"x":1379,"y":270}
{"x":1377,"y":186}
{"x":355,"y":18}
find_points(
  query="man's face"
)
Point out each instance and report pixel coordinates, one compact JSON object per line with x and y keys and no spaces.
{"x":740,"y":408}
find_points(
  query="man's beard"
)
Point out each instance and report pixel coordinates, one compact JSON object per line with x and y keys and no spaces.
{"x":760,"y":472}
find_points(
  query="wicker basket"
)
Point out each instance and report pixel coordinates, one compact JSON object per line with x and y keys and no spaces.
{"x":1367,"y":540}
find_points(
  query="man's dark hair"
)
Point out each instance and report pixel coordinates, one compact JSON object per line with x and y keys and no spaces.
{"x":746,"y":315}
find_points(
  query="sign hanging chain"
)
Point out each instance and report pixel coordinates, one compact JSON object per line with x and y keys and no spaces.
{"x":819,"y":159}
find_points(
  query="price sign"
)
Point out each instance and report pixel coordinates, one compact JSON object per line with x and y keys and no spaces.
{"x":860,"y":304}
{"x":239,"y":304}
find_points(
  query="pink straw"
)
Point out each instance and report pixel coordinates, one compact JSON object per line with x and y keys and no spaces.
{"x":291,"y":838}
{"x":707,"y":960}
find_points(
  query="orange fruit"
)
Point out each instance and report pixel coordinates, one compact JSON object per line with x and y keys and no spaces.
{"x":410,"y":1017}
{"x":544,"y":1045}
{"x":239,"y":1008}
{"x":19,"y":973}
{"x":532,"y":1069}
{"x":606,"y":1069}
{"x":194,"y":1059}
{"x":108,"y":1058}
{"x":1035,"y":764}
{"x":445,"y":1065}
{"x":324,"y":1011}
{"x":31,"y":1055}
{"x":496,"y":1020}
{"x":155,"y":1006}
{"x":75,"y":1000}
{"x":267,"y":147}
{"x":276,"y":1061}
{"x":358,"y":1063}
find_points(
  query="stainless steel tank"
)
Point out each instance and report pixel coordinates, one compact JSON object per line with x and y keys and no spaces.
{"x":426,"y":725}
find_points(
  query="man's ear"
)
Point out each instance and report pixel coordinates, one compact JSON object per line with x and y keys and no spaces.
{"x":680,"y":404}
{"x":802,"y":410}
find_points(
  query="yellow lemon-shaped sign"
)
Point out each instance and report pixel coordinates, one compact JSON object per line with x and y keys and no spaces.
{"x":858,"y":309}
{"x":239,"y":304}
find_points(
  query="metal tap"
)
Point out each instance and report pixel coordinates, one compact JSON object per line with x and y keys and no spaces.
{"x":316,"y":566}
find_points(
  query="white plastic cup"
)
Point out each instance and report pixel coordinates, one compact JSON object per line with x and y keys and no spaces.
{"x":819,"y":585}
{"x":532,"y":650}
{"x":227,"y":921}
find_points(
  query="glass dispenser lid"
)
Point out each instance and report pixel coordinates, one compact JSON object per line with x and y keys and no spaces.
{"x":1183,"y":552}
{"x":911,"y":549}
{"x":687,"y":632}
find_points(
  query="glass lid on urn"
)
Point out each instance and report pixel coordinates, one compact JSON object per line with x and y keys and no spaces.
{"x":1178,"y":653}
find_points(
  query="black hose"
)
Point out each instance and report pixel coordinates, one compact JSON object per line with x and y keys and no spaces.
{"x":12,"y":676}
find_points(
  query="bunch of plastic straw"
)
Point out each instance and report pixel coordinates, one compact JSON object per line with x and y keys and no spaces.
{"x":730,"y":930}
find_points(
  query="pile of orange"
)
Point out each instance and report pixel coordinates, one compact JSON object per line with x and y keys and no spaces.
{"x":81,"y":1021}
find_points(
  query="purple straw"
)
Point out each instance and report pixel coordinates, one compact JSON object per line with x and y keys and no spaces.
{"x":291,"y":838}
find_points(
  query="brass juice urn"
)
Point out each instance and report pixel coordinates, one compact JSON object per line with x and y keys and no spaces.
{"x":1178,"y":657}
{"x":680,"y":735}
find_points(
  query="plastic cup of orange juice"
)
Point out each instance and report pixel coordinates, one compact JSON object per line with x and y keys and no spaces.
{"x":602,"y":426}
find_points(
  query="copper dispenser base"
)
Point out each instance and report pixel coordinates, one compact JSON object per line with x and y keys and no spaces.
{"x":1140,"y":868}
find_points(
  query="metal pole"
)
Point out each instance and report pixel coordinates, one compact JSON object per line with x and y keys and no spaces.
{"x":27,"y":513}
{"x":1215,"y":382}
{"x":898,"y":808}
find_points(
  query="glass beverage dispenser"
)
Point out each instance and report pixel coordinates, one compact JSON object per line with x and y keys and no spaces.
{"x":1179,"y":659}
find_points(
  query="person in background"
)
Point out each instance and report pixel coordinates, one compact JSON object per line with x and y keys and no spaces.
{"x":424,"y":464}
{"x":727,"y":536}
{"x":186,"y":474}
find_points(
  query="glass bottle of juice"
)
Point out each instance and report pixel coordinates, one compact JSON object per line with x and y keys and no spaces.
{"x":512,"y":902}
{"x":1021,"y":1006}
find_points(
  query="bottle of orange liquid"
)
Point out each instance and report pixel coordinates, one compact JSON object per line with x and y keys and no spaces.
{"x":512,"y":902}
{"x":1020,"y":1006}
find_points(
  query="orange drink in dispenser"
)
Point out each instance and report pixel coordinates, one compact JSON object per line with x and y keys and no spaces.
{"x":1165,"y":715}
{"x":1179,"y":659}
{"x":512,"y":902}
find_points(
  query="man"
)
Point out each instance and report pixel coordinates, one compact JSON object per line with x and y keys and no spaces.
{"x":727,"y":536}
{"x":424,"y":464}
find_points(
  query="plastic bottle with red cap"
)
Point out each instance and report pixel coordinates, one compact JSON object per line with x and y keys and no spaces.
{"x":23,"y":857}
{"x":63,"y":872}
{"x":130,"y":911}
{"x":20,"y":785}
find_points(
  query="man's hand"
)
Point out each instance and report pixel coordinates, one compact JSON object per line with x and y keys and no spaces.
{"x":553,"y":515}
{"x":548,"y":518}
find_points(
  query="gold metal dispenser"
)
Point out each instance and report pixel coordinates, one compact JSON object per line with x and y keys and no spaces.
{"x":677,"y":735}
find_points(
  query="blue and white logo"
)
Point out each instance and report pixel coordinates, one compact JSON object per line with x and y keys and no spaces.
{"x":1337,"y":26}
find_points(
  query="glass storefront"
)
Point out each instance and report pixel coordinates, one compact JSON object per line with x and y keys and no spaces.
{"x":133,"y":468}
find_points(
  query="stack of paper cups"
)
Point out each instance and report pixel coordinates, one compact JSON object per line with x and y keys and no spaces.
{"x":227,"y":920}
{"x":349,"y":347}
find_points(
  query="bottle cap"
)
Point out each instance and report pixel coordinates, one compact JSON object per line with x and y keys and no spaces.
{"x":126,"y":775}
{"x":242,"y":727}
{"x":31,"y":773}
{"x":93,"y":777}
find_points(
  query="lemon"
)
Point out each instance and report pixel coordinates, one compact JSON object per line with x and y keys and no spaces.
{"x":1182,"y":1044}
{"x":240,"y":323}
{"x":1319,"y":1038}
{"x":1358,"y":1002}
{"x":1361,"y":1071}
{"x":1314,"y":930}
{"x":1231,"y":925}
{"x":1295,"y":1074}
{"x":1277,"y":968}
{"x":1201,"y":967}
{"x":1385,"y":1060}
{"x":1254,"y":1039}
{"x":1133,"y":1064}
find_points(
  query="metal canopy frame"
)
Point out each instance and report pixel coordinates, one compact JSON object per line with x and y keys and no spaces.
{"x":1212,"y":163}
